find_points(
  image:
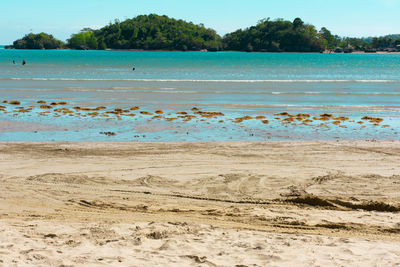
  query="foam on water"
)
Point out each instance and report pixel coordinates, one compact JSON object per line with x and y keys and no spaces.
{"x":205,"y":81}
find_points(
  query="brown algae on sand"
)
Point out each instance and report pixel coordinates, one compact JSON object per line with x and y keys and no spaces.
{"x":121,"y":113}
{"x":46,"y":107}
{"x":282,"y":114}
{"x":244,"y":118}
{"x":209,"y":115}
{"x":372,"y":119}
{"x":146,"y":113}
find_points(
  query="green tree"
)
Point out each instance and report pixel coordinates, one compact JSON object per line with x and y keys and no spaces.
{"x":275,"y":36}
{"x":330,"y":39}
{"x":38,"y":41}
{"x":298,"y":23}
{"x":83,"y":40}
{"x":157,"y":33}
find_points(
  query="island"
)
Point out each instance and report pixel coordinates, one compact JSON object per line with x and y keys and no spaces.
{"x":155,"y":32}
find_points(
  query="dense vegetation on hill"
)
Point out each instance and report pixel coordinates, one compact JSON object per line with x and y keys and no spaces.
{"x":377,"y":43}
{"x":383,"y":43}
{"x":149,"y":32}
{"x":38,"y":41}
{"x":276,"y":36}
{"x":86,"y":39}
{"x":153,"y":32}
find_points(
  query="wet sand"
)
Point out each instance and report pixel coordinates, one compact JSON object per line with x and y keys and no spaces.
{"x":43,"y":121}
{"x":203,"y":204}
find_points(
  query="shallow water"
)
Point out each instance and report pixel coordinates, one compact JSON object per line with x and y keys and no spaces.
{"x":236,"y":84}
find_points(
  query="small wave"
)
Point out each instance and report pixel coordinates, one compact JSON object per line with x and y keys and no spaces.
{"x":254,"y":92}
{"x":99,"y":90}
{"x":208,"y":81}
{"x":174,"y":92}
{"x":347,"y":93}
{"x":143,"y":88}
{"x":122,"y":88}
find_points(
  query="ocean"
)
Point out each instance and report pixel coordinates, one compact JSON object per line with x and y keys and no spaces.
{"x":352,"y":91}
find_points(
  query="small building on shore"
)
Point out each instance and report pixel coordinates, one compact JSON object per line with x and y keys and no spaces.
{"x":338,"y":50}
{"x":348,"y":49}
{"x":370,"y":50}
{"x":390,"y":49}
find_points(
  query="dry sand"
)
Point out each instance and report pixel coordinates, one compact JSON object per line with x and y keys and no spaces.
{"x":200,"y":204}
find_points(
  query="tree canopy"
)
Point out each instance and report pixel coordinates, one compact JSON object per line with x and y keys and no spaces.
{"x":38,"y":41}
{"x":276,"y":36}
{"x":154,"y":32}
{"x":83,"y":40}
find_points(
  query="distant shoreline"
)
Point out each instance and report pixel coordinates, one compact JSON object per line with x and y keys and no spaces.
{"x":206,"y":51}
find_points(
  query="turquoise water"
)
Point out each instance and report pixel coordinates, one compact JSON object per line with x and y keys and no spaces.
{"x":236,"y":84}
{"x":198,"y":66}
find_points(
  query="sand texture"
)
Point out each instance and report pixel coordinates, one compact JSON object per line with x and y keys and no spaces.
{"x":200,"y":204}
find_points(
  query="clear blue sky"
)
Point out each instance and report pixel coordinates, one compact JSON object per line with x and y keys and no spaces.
{"x":62,"y":18}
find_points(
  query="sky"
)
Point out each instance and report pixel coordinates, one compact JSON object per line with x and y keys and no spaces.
{"x":356,"y":18}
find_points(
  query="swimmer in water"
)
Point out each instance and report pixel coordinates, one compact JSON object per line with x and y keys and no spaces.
{"x":23,"y":62}
{"x":14,"y":62}
{"x":133,"y":69}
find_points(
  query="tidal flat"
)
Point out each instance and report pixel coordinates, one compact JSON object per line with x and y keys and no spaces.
{"x":61,"y":121}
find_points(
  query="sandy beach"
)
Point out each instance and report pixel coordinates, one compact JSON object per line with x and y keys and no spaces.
{"x":199,"y":135}
{"x":200,"y":204}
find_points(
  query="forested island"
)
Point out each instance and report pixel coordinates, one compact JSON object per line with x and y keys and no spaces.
{"x":154,"y":32}
{"x":37,"y":41}
{"x":276,"y":36}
